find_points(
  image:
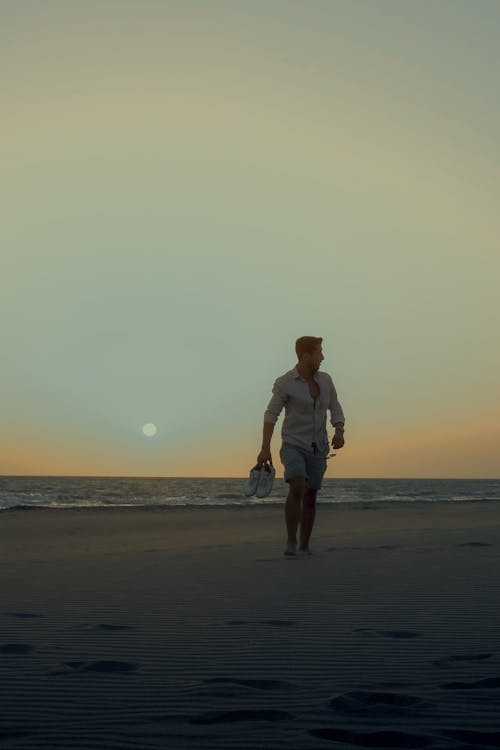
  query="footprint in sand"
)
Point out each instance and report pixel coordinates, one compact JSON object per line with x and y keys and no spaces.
{"x":447,"y":660}
{"x":160,"y":719}
{"x":257,"y":684}
{"x":383,"y":738}
{"x":106,"y":626}
{"x":362,"y":701}
{"x":473,"y":737}
{"x":488,"y":683}
{"x":16,"y":648}
{"x":13,"y":734}
{"x":21,"y":614}
{"x":226,"y":717}
{"x":110,"y":666}
{"x":389,"y":547}
{"x":388,"y":633}
{"x":275,"y":623}
{"x":97,"y":666}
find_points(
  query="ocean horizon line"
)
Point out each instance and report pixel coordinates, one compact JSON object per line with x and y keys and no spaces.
{"x":243,"y":478}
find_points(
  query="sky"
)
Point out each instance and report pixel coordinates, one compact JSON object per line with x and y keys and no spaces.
{"x":189,"y":186}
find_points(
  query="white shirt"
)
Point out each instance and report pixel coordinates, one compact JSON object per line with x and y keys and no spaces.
{"x":305,"y":417}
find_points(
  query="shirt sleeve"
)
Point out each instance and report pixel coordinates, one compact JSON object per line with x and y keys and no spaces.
{"x":336,"y":413}
{"x":276,"y":403}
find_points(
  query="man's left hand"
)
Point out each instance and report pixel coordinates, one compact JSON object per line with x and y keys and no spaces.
{"x":338,"y":439}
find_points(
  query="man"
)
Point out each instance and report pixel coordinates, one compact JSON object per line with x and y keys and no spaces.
{"x":306,"y":394}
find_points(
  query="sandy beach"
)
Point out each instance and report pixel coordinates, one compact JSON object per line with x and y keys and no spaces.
{"x":188,"y":628}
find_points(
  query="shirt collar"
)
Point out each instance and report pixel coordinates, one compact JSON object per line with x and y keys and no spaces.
{"x":298,"y":375}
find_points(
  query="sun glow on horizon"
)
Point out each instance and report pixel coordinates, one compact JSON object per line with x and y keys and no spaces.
{"x":216,"y":180}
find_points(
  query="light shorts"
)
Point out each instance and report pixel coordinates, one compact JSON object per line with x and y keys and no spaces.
{"x":299,"y":463}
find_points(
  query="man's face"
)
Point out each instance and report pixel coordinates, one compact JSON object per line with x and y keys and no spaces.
{"x":317,"y":357}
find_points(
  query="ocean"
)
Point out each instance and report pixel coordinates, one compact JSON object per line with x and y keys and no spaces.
{"x":31,"y":492}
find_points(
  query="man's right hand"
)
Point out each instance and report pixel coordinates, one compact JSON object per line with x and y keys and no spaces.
{"x":265,"y":455}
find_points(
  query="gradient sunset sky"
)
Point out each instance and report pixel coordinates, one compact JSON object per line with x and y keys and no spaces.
{"x":188,"y":187}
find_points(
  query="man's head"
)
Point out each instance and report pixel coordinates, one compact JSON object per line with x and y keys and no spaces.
{"x":309,"y":351}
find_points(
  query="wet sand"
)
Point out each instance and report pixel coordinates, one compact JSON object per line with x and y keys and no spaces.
{"x":188,"y":627}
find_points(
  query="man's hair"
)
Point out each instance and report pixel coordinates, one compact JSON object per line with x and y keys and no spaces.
{"x":307,"y":345}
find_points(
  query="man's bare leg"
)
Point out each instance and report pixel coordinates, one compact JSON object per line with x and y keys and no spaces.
{"x":307,"y":516}
{"x":292,"y":506}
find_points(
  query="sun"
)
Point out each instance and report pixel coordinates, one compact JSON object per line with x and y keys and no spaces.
{"x":149,"y":429}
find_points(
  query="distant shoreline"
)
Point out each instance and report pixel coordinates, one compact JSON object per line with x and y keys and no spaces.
{"x":236,"y":507}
